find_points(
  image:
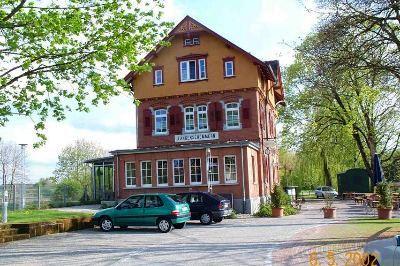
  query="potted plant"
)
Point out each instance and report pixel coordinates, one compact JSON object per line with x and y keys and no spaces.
{"x":328,"y":209}
{"x":278,"y":200}
{"x":385,"y":205}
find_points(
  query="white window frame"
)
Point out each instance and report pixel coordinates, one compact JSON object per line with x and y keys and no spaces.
{"x":225,"y":172}
{"x":188,"y":42}
{"x":166,"y":170}
{"x":187,"y":62}
{"x":158,"y":80}
{"x":163,"y":116}
{"x":189,"y":113}
{"x":196,"y":41}
{"x":209,"y":174}
{"x":231,"y":109}
{"x":141,"y":173}
{"x":173,"y":171}
{"x":190,"y":171}
{"x":130,"y":177}
{"x":202,"y":112}
{"x":226,"y":68}
{"x":200,"y":68}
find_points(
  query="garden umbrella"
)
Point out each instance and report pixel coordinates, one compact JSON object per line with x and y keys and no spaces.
{"x":378,"y":172}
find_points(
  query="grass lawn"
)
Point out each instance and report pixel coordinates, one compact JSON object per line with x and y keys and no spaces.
{"x":374,"y":227}
{"x":31,"y":216}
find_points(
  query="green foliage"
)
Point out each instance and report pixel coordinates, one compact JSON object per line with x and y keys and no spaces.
{"x":278,"y":197}
{"x":71,"y":164}
{"x":289,"y":210}
{"x":385,"y":193}
{"x":69,"y":189}
{"x":233,"y":215}
{"x":265,"y":210}
{"x":68,"y":55}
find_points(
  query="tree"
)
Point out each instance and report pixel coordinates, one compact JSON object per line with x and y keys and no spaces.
{"x":69,"y":54}
{"x":12,"y":159}
{"x":359,"y":103}
{"x":365,"y":34}
{"x":71,"y":164}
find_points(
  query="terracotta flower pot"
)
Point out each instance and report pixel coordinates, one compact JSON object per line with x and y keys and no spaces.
{"x":329,"y":213}
{"x":384,"y":213}
{"x":277,"y":212}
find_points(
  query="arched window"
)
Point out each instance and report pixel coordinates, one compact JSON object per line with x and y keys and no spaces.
{"x":189,"y":119}
{"x":202,"y":120}
{"x":232,"y":115}
{"x":160,"y":121}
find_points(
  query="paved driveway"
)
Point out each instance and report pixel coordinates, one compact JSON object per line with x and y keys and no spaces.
{"x":251,"y":241}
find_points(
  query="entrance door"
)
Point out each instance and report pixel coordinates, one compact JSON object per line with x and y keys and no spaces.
{"x":130,"y":212}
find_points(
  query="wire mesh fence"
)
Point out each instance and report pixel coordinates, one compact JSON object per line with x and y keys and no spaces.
{"x":35,"y":196}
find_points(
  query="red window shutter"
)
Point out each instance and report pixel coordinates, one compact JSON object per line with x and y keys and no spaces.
{"x":246,"y":119}
{"x":147,"y":122}
{"x":175,"y":125}
{"x":178,"y":120}
{"x":218,"y":116}
{"x":211,"y":117}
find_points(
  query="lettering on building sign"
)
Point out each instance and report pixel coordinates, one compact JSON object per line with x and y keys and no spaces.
{"x":196,"y":137}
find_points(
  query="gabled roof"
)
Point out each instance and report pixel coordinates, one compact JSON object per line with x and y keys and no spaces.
{"x":278,"y":89}
{"x":189,"y":25}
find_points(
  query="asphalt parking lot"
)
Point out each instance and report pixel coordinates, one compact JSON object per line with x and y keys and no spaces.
{"x":250,"y":241}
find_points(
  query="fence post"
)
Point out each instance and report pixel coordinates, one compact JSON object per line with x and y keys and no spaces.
{"x":14,"y":188}
{"x":38,"y":197}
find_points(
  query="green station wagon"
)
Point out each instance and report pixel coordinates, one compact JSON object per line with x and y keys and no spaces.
{"x":159,"y":210}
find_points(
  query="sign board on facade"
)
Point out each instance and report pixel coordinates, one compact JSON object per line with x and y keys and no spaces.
{"x":196,"y":137}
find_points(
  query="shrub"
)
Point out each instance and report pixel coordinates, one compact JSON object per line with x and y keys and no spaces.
{"x":289,"y":210}
{"x":233,"y":215}
{"x":383,"y":190}
{"x":278,"y":197}
{"x":264,"y":210}
{"x":69,"y":189}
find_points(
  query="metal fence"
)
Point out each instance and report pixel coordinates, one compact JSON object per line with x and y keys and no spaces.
{"x":34,"y":196}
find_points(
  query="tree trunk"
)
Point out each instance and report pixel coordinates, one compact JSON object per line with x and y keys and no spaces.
{"x":327,"y":173}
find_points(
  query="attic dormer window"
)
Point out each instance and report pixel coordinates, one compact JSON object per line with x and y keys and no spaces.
{"x":190,"y":41}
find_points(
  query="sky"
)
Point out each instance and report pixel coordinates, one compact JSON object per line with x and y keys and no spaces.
{"x":268,"y":29}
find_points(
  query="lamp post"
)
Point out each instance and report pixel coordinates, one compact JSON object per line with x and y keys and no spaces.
{"x":22,"y":201}
{"x":4,"y":217}
{"x":208,"y":156}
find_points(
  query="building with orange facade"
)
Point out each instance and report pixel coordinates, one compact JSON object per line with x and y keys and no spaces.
{"x":206,"y":121}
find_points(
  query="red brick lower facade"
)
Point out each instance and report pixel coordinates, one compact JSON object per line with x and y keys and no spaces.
{"x":240,"y":172}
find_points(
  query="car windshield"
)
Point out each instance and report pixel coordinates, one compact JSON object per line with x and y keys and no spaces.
{"x":327,"y":189}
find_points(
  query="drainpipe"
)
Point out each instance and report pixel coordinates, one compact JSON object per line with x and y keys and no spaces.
{"x":116,"y":176}
{"x":243,"y":186}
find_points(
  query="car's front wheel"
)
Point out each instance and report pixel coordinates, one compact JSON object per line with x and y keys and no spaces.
{"x":218,"y":220}
{"x":179,"y":225}
{"x":205,"y":218}
{"x":164,"y":225}
{"x":106,"y":224}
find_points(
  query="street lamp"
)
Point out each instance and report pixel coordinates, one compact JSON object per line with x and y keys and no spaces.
{"x":22,"y":198}
{"x":208,"y":157}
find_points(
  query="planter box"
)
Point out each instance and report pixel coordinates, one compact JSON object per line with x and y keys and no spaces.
{"x":277,"y":212}
{"x":384,"y":213}
{"x":329,"y":213}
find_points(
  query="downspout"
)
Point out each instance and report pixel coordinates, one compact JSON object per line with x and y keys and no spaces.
{"x":243,"y":186}
{"x":117,"y":178}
